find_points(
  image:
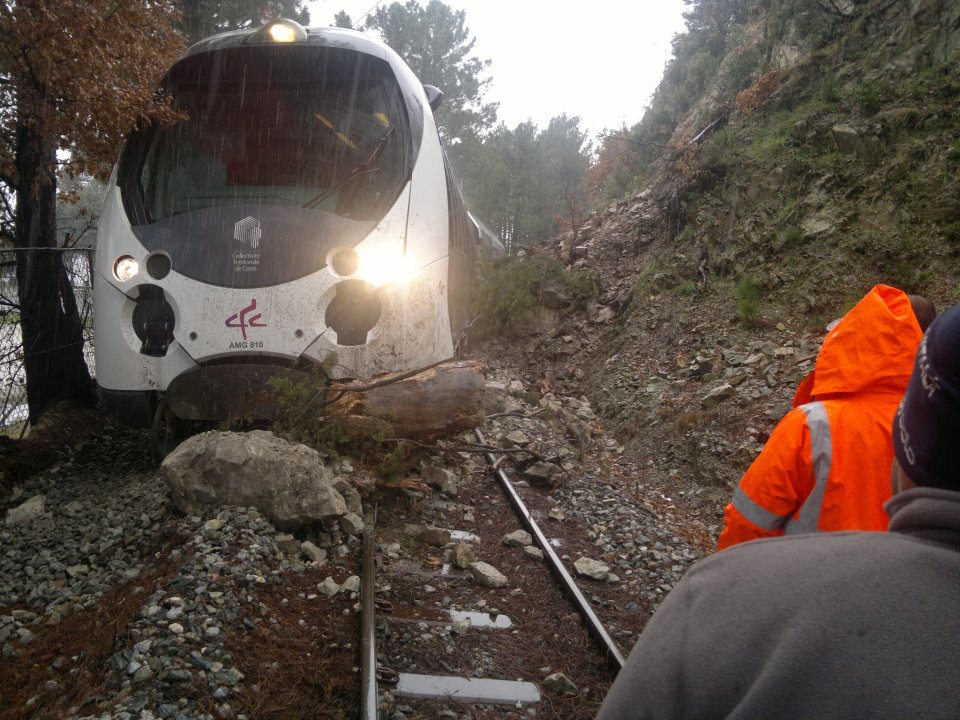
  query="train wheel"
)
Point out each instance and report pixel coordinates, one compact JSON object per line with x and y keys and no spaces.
{"x":165,"y":433}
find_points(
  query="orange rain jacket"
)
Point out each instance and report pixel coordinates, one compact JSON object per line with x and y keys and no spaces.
{"x":827,"y":463}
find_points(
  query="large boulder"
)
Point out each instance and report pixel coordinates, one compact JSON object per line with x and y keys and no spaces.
{"x":287,"y":482}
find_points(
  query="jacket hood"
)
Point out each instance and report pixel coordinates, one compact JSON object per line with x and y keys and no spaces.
{"x":871,"y":347}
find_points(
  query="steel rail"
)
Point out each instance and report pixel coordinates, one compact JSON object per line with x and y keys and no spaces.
{"x":368,"y":640}
{"x":614,"y":656}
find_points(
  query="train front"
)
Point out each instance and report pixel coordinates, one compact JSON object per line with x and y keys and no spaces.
{"x":295,"y":216}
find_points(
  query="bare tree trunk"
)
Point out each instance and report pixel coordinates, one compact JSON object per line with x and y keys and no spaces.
{"x":438,"y":401}
{"x":50,"y":322}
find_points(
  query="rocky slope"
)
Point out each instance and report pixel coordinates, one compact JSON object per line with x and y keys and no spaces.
{"x":821,"y":159}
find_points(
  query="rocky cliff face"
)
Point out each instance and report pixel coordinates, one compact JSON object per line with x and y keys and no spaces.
{"x":777,"y":208}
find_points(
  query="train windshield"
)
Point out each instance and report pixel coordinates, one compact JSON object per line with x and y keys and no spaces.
{"x":319,"y":128}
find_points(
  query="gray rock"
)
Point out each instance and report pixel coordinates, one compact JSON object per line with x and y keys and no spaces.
{"x":533,"y":552}
{"x":351,"y":495}
{"x":541,"y":471}
{"x":288,"y":544}
{"x":487,"y":575}
{"x":287,"y":482}
{"x":518,"y":438}
{"x":352,"y":524}
{"x":329,"y":586}
{"x":318,"y":555}
{"x":558,"y":682}
{"x":717,"y":395}
{"x":437,"y":537}
{"x":463,"y":555}
{"x":592,"y":568}
{"x":494,"y":398}
{"x":441,"y":478}
{"x":847,"y":139}
{"x":518,"y":538}
{"x":26,"y":511}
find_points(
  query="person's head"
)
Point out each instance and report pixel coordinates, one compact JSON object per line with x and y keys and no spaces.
{"x":926,"y":428}
{"x":924,"y":310}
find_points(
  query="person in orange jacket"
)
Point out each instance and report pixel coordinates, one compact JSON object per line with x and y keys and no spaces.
{"x":826,"y":465}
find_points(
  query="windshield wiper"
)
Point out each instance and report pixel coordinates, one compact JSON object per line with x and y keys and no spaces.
{"x":364,"y":169}
{"x":336,"y":188}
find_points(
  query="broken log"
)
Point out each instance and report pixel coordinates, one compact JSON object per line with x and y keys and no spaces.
{"x":438,"y":401}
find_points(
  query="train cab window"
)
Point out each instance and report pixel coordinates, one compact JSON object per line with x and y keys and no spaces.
{"x":324,"y":129}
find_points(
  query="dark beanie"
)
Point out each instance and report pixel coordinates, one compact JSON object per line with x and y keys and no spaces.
{"x":926,"y":428}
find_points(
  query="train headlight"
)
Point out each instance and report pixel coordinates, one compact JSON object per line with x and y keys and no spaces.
{"x":344,"y":262}
{"x":125,"y":268}
{"x":379,"y":268}
{"x":279,"y":31}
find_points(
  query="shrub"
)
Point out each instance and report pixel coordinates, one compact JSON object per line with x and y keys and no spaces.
{"x":747,"y":291}
{"x":507,"y":295}
{"x":868,"y":98}
{"x":792,"y":236}
{"x":828,"y":90}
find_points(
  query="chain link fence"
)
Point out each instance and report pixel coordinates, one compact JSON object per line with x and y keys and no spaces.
{"x":13,"y":382}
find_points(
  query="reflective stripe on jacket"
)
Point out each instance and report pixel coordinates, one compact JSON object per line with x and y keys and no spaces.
{"x":827,"y":463}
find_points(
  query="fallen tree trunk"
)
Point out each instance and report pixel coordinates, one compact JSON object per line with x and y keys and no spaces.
{"x":440,"y":400}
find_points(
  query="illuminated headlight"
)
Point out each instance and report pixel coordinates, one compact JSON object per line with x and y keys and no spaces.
{"x":344,"y":262}
{"x":381,"y":268}
{"x":125,"y":268}
{"x":279,"y":31}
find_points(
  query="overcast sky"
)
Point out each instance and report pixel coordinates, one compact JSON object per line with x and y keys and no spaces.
{"x":599,"y":60}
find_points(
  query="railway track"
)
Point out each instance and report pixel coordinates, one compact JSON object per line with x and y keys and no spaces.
{"x":458,"y":628}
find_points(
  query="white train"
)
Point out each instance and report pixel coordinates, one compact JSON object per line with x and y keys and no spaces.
{"x":300,"y":214}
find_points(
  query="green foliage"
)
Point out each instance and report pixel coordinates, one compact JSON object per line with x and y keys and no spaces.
{"x":931,"y":85}
{"x":692,"y":79}
{"x":739,"y":70}
{"x":396,"y":462}
{"x":791,"y":236}
{"x":342,"y":20}
{"x":612,"y":172}
{"x":507,"y":295}
{"x":300,"y":411}
{"x":302,"y":418}
{"x":722,"y":150}
{"x":868,"y":97}
{"x":643,"y":284}
{"x":520,"y":181}
{"x":810,"y":223}
{"x":435,"y":43}
{"x":828,"y":90}
{"x":687,"y":288}
{"x":747,"y":292}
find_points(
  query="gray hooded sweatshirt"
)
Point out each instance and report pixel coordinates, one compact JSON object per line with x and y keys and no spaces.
{"x":827,"y":625}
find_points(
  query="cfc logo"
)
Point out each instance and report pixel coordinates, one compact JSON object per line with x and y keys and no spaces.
{"x":246,"y":318}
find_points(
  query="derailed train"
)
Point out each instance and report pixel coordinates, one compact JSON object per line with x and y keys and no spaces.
{"x":301,"y":213}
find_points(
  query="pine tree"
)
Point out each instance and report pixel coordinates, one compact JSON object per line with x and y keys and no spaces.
{"x":436,"y":44}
